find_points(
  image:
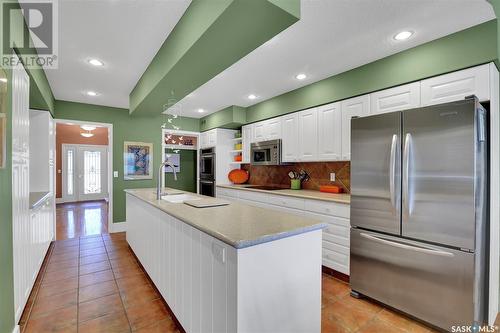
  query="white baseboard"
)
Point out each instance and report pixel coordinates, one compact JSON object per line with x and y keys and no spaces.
{"x":16,"y":329}
{"x":118,"y":227}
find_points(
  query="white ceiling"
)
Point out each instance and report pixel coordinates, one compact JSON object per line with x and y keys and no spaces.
{"x":332,"y":37}
{"x":124,"y":34}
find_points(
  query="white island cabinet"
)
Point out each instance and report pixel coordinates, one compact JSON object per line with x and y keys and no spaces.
{"x":233,"y":268}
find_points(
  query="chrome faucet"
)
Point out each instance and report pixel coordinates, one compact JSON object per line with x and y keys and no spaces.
{"x":160,"y":169}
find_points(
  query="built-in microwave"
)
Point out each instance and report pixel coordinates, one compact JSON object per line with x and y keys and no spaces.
{"x":266,"y":152}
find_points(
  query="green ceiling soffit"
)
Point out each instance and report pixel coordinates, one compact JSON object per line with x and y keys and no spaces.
{"x":466,"y":48}
{"x":211,"y":36}
{"x":231,"y":117}
{"x":41,"y":96}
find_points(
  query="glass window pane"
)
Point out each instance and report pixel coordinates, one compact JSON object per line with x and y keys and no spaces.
{"x":69,"y":174}
{"x":92,"y":172}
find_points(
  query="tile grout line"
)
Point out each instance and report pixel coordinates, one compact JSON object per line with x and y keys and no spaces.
{"x":117,"y":287}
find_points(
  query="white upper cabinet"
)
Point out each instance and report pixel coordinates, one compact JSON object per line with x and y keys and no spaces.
{"x":396,"y":99}
{"x":329,"y":132}
{"x":272,"y":129}
{"x":258,"y":132}
{"x":208,"y":139}
{"x":212,"y":138}
{"x":457,"y":85}
{"x":290,"y":137}
{"x":308,"y":135}
{"x":246,"y":140}
{"x":354,"y":107}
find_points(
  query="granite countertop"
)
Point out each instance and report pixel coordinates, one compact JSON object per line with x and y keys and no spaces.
{"x":38,"y":198}
{"x":306,"y":194}
{"x":236,"y":224}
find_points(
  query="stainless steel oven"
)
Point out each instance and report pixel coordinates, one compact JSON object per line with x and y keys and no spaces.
{"x":266,"y":152}
{"x":207,"y":187}
{"x":207,"y":164}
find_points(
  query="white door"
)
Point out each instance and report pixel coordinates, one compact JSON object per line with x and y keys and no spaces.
{"x":308,"y":135}
{"x":85,"y":172}
{"x":247,"y":133}
{"x":258,"y":132}
{"x":396,"y":99}
{"x":290,"y":137}
{"x":272,"y":129}
{"x":329,"y":132}
{"x":354,"y":107}
{"x":456,"y":86}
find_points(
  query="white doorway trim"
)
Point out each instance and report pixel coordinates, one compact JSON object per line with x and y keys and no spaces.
{"x":196,"y":148}
{"x":110,"y":161}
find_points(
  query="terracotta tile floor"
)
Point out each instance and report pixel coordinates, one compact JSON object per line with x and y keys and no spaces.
{"x":76,"y":219}
{"x":94,"y":284}
{"x":81,"y":289}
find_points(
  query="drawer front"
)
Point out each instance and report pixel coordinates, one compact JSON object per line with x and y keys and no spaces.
{"x":328,"y":208}
{"x":336,"y":260}
{"x":284,"y":201}
{"x":226,"y":192}
{"x":253,"y":196}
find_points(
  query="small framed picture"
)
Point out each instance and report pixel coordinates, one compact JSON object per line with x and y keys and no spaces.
{"x":138,"y":160}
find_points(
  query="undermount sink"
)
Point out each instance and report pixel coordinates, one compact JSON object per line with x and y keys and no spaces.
{"x":178,"y":198}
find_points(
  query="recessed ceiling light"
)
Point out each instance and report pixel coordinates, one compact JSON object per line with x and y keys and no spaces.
{"x":300,"y":76}
{"x":403,"y":35}
{"x":252,"y":96}
{"x":88,"y":127}
{"x":96,"y":62}
{"x":3,"y":79}
{"x":201,"y":110}
{"x":91,"y":93}
{"x":87,"y":135}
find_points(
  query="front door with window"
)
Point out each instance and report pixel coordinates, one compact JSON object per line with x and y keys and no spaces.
{"x":84,"y":172}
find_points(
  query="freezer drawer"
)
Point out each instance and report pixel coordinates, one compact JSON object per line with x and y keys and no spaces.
{"x":431,"y":283}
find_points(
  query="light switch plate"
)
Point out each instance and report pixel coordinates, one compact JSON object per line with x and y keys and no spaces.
{"x":332,"y":176}
{"x":115,"y":174}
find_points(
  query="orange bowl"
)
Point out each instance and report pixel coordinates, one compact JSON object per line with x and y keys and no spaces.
{"x":238,"y":158}
{"x":238,"y":176}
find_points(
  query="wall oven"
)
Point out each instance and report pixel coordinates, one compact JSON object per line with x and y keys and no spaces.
{"x":207,"y":172}
{"x":266,"y":152}
{"x":207,"y":164}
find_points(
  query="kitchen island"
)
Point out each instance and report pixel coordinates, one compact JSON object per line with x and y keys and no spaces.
{"x":234,"y":268}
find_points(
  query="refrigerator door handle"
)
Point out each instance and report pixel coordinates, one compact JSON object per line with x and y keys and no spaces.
{"x":406,"y":174}
{"x":392,"y":171}
{"x":420,"y":249}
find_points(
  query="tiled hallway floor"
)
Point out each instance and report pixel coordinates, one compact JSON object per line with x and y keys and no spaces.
{"x":94,"y":284}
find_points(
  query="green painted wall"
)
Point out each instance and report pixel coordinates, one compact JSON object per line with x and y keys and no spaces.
{"x":231,"y":117}
{"x":6,"y":271}
{"x":125,"y":128}
{"x":186,"y":178}
{"x":210,"y":37}
{"x":463,"y":49}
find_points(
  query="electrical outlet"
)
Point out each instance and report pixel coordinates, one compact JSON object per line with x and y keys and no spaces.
{"x":332,"y":176}
{"x":115,"y":174}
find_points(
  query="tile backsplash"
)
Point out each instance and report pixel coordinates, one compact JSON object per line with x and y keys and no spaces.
{"x":318,"y":171}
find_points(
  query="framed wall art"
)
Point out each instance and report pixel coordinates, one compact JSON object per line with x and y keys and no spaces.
{"x":138,"y":160}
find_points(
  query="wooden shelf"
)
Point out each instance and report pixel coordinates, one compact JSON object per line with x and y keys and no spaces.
{"x":237,"y":139}
{"x":236,"y":151}
{"x":180,"y":147}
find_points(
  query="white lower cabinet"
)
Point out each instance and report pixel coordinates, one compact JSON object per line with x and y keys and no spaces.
{"x":336,"y":236}
{"x":212,"y":287}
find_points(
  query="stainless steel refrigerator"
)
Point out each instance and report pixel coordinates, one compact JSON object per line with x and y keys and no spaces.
{"x":419,"y":211}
